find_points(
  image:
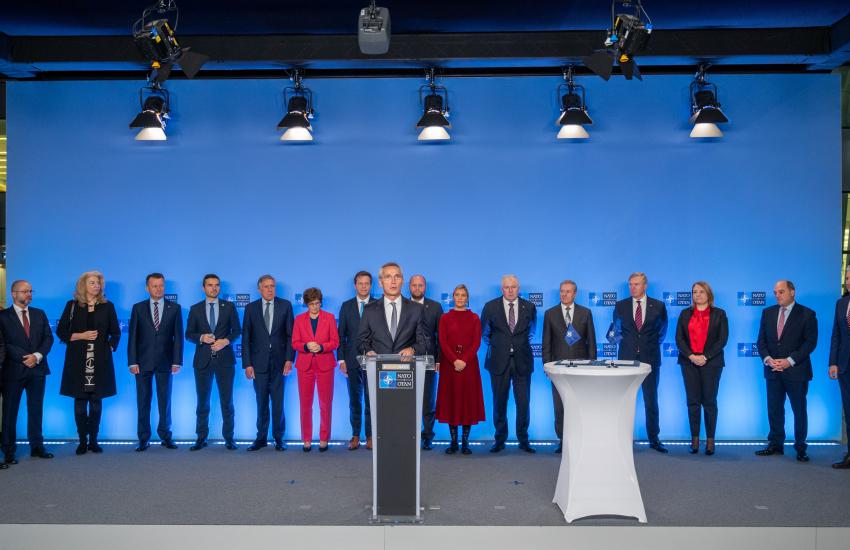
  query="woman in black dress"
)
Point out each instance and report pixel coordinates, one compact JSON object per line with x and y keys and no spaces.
{"x":89,"y":328}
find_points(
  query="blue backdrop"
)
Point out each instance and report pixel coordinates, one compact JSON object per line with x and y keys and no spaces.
{"x":224,"y":195}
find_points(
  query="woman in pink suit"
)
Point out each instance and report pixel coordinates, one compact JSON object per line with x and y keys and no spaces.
{"x":314,"y":338}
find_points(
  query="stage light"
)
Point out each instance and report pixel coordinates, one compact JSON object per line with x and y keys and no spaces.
{"x":705,"y":109}
{"x":156,"y":41}
{"x":299,"y":107}
{"x":373,"y":30}
{"x":434,"y":121}
{"x":629,"y":34}
{"x":154,"y":114}
{"x":573,"y":109}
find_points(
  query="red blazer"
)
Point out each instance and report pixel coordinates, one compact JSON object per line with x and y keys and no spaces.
{"x":326,"y":335}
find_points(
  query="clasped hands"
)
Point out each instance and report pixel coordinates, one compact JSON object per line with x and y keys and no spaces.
{"x":778,"y":365}
{"x":698,"y":360}
{"x":215,"y":344}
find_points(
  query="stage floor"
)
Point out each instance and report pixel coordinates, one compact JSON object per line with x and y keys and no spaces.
{"x":220,"y":487}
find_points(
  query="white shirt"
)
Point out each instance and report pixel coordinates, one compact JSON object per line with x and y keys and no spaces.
{"x":271,"y":311}
{"x":642,"y":308}
{"x":18,"y":310}
{"x":420,"y":301}
{"x":388,"y":309}
{"x":161,"y":305}
{"x":507,"y":304}
{"x":207,"y":303}
{"x":568,"y":308}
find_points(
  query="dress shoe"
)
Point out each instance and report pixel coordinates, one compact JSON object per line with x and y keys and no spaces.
{"x":658,"y":446}
{"x":452,"y":448}
{"x":802,"y":456}
{"x":168,"y":444}
{"x":279,"y":446}
{"x":4,"y":466}
{"x":94,"y":447}
{"x":143,"y":446}
{"x":843,"y":464}
{"x":426,"y":445}
{"x":230,"y":445}
{"x":369,"y":443}
{"x":199,"y":444}
{"x":527,"y":448}
{"x":41,"y":453}
{"x":497,"y":447}
{"x":306,"y":448}
{"x":10,"y":459}
{"x":694,"y":446}
{"x":768,"y":451}
{"x":354,"y":443}
{"x":323,"y":448}
{"x":559,"y":448}
{"x":81,"y":449}
{"x":709,"y":447}
{"x":257,"y":445}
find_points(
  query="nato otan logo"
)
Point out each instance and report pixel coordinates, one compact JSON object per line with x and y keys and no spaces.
{"x":446,"y":299}
{"x":537,"y":350}
{"x":748,"y":349}
{"x":606,"y":350}
{"x":603,"y":299}
{"x":299,"y":299}
{"x":170,"y":297}
{"x":124,"y":324}
{"x":677,"y":299}
{"x":243,"y":300}
{"x":388,"y":380}
{"x":752,"y":298}
{"x":238,"y":349}
{"x":669,"y":350}
{"x":535,"y":298}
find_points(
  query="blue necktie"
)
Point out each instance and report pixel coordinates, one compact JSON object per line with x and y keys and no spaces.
{"x":212,"y":316}
{"x":362,"y":302}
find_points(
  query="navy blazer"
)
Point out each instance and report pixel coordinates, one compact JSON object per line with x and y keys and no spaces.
{"x":349,"y":332}
{"x":262,"y":350}
{"x":155,"y":350}
{"x":799,"y":339}
{"x":226,"y":326}
{"x":718,"y":335}
{"x":374,"y":333}
{"x":496,"y":333}
{"x":839,"y":346}
{"x":433,"y":312}
{"x":643,"y":345}
{"x":17,"y":344}
{"x":555,"y":346}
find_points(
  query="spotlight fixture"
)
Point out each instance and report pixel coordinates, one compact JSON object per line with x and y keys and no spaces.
{"x":573,"y":109}
{"x":373,"y":30}
{"x":628,"y":35}
{"x":299,"y":107}
{"x":155,"y":39}
{"x":705,"y":109}
{"x":434,"y":121}
{"x":154,"y":114}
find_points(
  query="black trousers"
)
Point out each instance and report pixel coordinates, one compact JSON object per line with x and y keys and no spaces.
{"x":649,"y":387}
{"x":268,"y":388}
{"x":501,"y":385}
{"x":559,"y":412}
{"x":12,"y":392}
{"x":701,"y":386}
{"x":358,"y":394}
{"x":223,"y":376}
{"x":87,"y":413}
{"x":429,"y":404}
{"x":777,"y":390}
{"x":144,"y":395}
{"x":844,"y":384}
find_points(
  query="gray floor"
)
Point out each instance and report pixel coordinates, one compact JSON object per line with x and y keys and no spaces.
{"x":220,"y":487}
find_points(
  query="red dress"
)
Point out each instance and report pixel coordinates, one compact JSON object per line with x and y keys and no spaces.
{"x":460,"y":401}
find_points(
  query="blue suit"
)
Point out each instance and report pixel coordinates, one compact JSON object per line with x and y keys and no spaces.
{"x":154,"y":351}
{"x":209,"y":365}
{"x":358,"y":392}
{"x":839,"y":355}
{"x":18,"y":378}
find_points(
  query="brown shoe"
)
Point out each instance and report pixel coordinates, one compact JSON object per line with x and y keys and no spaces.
{"x":353,"y":443}
{"x":369,"y":443}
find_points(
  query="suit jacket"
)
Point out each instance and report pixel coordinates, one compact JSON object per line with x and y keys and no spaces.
{"x":496,"y":333}
{"x":799,"y":339}
{"x":349,"y":332}
{"x":555,"y":346}
{"x":374,"y":333}
{"x":433,"y":312}
{"x":326,"y":336}
{"x":155,"y":350}
{"x":226,"y":326}
{"x":14,"y":343}
{"x":839,"y":346}
{"x":261,"y":349}
{"x":643,"y":345}
{"x":718,"y":335}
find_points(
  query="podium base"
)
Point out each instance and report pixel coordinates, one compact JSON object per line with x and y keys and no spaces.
{"x":395,"y":520}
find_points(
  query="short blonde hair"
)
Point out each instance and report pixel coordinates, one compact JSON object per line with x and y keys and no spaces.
{"x":638,"y":275}
{"x":80,"y":294}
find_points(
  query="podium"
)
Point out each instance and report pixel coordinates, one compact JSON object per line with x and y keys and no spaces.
{"x":597,"y":474}
{"x":395,"y":392}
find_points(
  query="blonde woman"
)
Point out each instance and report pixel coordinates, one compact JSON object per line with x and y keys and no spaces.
{"x":89,"y":328}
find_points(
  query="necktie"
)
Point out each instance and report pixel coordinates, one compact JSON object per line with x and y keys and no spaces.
{"x":267,"y":317}
{"x":639,"y":316}
{"x":567,"y":317}
{"x":393,"y":321}
{"x":781,"y":326}
{"x":511,"y":317}
{"x":212,"y":316}
{"x":362,"y":303}
{"x":848,"y":317}
{"x":156,"y":316}
{"x":26,"y":320}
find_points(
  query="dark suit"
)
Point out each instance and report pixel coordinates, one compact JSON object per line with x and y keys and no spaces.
{"x":839,"y":355}
{"x":702,"y":383}
{"x":374,"y":334}
{"x":556,"y":347}
{"x":349,"y":340}
{"x":267,"y":352}
{"x":18,"y":378}
{"x":509,"y":361}
{"x":644,"y":345}
{"x":433,"y":312}
{"x":208,"y":365}
{"x":799,"y":339}
{"x":154,"y":351}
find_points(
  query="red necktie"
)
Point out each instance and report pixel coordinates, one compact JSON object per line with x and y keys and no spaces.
{"x":639,"y":316}
{"x":781,"y":325}
{"x":26,"y":321}
{"x":848,"y":317}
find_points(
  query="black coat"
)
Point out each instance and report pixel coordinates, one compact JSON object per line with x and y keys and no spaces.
{"x":643,"y":345}
{"x":555,"y":346}
{"x":799,"y":339}
{"x":718,"y":335}
{"x":16,"y":344}
{"x":499,"y":339}
{"x":105,"y":322}
{"x":374,"y":334}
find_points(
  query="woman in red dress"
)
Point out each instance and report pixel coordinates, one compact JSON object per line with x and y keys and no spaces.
{"x":460,"y":401}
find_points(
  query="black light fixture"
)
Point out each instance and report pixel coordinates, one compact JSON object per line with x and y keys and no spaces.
{"x":154,"y":37}
{"x":151,"y":120}
{"x":628,"y":35}
{"x":574,"y":115}
{"x":434,"y":121}
{"x":705,"y":109}
{"x":299,"y":106}
{"x":373,"y":29}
